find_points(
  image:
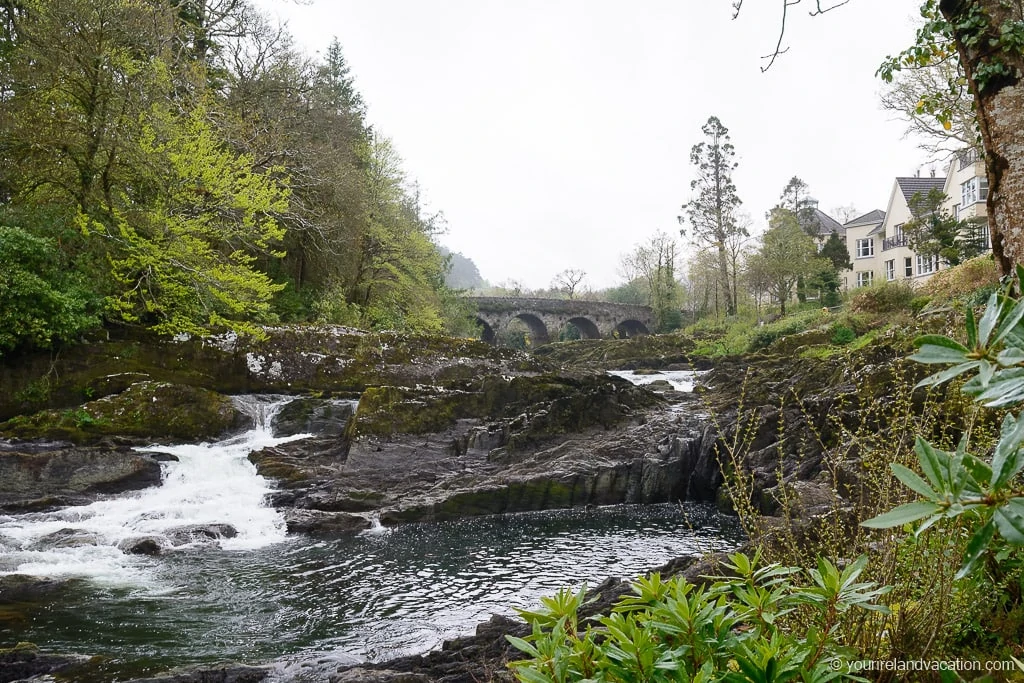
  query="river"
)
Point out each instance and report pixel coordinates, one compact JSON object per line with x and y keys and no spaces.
{"x":263,"y":595}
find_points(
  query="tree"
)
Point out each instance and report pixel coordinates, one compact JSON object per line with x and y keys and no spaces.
{"x":787,"y":254}
{"x":917,"y":92}
{"x":185,"y":262}
{"x":569,"y":280}
{"x":462,"y":272}
{"x":844,"y":214}
{"x":655,"y":263}
{"x":934,"y":232}
{"x":40,"y":302}
{"x":712,"y":213}
{"x":836,"y":252}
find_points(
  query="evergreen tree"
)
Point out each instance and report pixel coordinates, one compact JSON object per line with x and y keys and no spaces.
{"x":712,"y":212}
{"x":934,"y":232}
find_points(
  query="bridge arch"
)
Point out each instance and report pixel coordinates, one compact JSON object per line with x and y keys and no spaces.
{"x":586,"y":326}
{"x":543,"y":318}
{"x":631,"y":328}
{"x":487,"y":332}
{"x":538,"y":330}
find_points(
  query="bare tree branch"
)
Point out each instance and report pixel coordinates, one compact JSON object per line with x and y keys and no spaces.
{"x":737,"y":6}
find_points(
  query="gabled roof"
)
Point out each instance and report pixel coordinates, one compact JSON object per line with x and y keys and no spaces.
{"x":911,"y":186}
{"x":870,"y":218}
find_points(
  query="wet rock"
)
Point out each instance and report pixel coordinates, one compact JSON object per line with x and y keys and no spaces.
{"x":318,"y":522}
{"x":38,"y":480}
{"x":231,"y":673}
{"x":360,"y":675}
{"x":68,"y":538}
{"x":25,"y":661}
{"x":323,"y":417}
{"x":143,"y":545}
{"x":200,"y":533}
{"x":21,"y":588}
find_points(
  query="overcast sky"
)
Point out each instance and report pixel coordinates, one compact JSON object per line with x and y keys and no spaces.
{"x":556,"y":134}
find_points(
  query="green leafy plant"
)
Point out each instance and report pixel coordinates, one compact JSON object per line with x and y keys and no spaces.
{"x":958,"y":482}
{"x":767,"y":622}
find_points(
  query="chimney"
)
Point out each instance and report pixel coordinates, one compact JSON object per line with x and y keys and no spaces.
{"x":933,"y":171}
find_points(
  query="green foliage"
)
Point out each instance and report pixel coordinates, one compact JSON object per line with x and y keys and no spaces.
{"x":841,"y":334}
{"x":934,"y":232}
{"x":40,"y":303}
{"x":765,"y":335}
{"x":978,"y":277}
{"x":787,"y":255}
{"x":186,"y":263}
{"x":937,"y":40}
{"x":883,"y":298}
{"x":204,"y":187}
{"x":768,"y":623}
{"x":985,"y":490}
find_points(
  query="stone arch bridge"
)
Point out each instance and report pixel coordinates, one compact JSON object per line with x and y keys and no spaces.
{"x":545,"y":317}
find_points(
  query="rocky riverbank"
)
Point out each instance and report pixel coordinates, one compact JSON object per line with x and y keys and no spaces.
{"x":408,"y":430}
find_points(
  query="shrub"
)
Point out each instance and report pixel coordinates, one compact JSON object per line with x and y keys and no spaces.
{"x":886,"y":297}
{"x":841,"y":334}
{"x":764,"y":336}
{"x":960,"y":281}
{"x":731,"y":630}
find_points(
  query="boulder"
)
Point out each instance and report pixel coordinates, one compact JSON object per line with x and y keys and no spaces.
{"x":16,"y":588}
{"x":143,"y":412}
{"x":68,"y":538}
{"x":323,"y":417}
{"x":25,"y":661}
{"x":200,"y":533}
{"x":320,"y":523}
{"x":143,"y":545}
{"x":43,"y":479}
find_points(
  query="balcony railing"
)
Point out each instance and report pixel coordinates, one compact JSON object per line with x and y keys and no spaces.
{"x":894,"y":242}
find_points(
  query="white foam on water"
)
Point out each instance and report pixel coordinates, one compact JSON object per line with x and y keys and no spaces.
{"x":210,"y":483}
{"x":681,"y":380}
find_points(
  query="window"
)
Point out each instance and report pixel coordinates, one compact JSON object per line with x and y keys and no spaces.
{"x":973,"y":190}
{"x":956,"y":211}
{"x":890,"y":270}
{"x":969,"y":191}
{"x":897,"y":233}
{"x":908,"y":267}
{"x":865,"y":248}
{"x":864,"y":278}
{"x":927,"y":264}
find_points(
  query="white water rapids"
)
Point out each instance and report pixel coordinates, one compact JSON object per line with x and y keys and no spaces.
{"x":680,"y":380}
{"x":209,"y":483}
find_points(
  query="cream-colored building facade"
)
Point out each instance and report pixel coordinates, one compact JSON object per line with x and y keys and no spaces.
{"x":879,"y":249}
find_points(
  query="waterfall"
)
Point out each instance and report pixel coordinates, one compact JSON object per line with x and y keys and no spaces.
{"x":210,"y":494}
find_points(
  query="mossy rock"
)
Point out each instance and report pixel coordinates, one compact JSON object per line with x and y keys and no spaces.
{"x":555,"y":404}
{"x":143,"y":411}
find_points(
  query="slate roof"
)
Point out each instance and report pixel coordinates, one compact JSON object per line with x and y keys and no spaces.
{"x":822,"y":224}
{"x":911,"y":186}
{"x":870,"y":218}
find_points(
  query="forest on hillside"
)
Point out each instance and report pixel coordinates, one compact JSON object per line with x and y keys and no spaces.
{"x":180,"y":165}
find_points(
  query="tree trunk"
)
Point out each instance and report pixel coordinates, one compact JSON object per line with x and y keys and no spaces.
{"x":723,"y":272}
{"x":1000,"y":109}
